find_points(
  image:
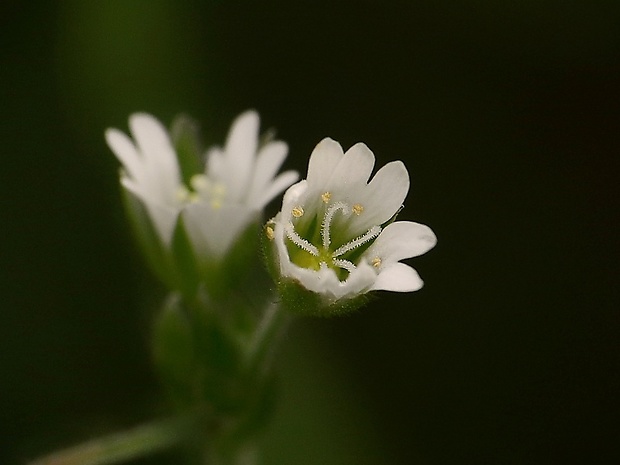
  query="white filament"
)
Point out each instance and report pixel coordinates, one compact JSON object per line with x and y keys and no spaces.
{"x":300,"y":241}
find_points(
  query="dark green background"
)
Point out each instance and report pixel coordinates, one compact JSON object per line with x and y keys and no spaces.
{"x":507,"y":115}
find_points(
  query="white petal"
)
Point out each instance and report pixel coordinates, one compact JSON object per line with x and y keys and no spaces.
{"x":398,"y":277}
{"x":323,"y":161}
{"x":326,"y":283}
{"x":164,"y":217}
{"x":216,"y":163}
{"x":400,"y":240}
{"x":293,"y":194}
{"x":278,"y":185}
{"x":268,"y":161}
{"x":126,"y":152}
{"x":240,"y":152}
{"x":360,"y":280}
{"x":214,"y":231}
{"x":323,"y":281}
{"x":353,"y":169}
{"x":162,"y":173}
{"x":383,"y":197}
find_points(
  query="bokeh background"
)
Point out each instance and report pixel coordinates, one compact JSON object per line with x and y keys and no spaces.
{"x":507,"y":115}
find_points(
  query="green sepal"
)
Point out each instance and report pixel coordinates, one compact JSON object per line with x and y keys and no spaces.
{"x":174,"y":352}
{"x":297,"y":299}
{"x":185,"y":135}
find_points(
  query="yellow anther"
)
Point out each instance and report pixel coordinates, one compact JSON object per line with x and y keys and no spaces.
{"x":182,"y":194}
{"x":357,"y":208}
{"x":326,"y":196}
{"x":298,"y":212}
{"x":269,"y":232}
{"x":199,"y":182}
{"x":376,"y":262}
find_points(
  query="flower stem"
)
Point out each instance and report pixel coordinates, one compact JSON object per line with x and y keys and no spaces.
{"x":118,"y":447}
{"x":272,"y":322}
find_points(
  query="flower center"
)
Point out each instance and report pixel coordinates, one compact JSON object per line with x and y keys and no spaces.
{"x":203,"y":190}
{"x":304,"y":250}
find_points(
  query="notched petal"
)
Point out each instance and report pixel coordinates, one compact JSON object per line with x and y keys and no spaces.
{"x":398,"y":277}
{"x":323,"y":161}
{"x":402,"y":239}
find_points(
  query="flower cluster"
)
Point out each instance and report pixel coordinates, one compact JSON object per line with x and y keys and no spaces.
{"x":215,"y":206}
{"x":335,"y":239}
{"x":336,"y":236}
{"x":238,"y":180}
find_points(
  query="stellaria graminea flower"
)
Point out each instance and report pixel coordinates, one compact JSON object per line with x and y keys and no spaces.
{"x":335,"y":236}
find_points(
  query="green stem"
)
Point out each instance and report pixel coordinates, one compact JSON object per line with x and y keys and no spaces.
{"x":122,"y":446}
{"x":272,"y":322}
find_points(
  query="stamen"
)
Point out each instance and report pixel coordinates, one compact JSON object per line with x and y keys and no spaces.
{"x":298,"y":211}
{"x":355,"y":243}
{"x":376,"y":262}
{"x":200,"y":182}
{"x":358,"y":208}
{"x":327,"y":221}
{"x":207,"y":190}
{"x":326,"y":197}
{"x":269,"y":232}
{"x":300,"y":241}
{"x":182,"y":194}
{"x":345,"y":264}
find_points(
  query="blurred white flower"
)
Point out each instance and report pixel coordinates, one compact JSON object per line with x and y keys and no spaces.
{"x":335,"y":236}
{"x":240,"y":179}
{"x":219,"y":204}
{"x":150,"y":170}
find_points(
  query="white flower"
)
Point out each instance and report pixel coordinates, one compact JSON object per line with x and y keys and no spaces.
{"x":150,"y":170}
{"x":238,"y":183}
{"x":334,"y":234}
{"x":220,"y":204}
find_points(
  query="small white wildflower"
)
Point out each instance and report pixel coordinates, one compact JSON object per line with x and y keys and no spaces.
{"x":240,"y":179}
{"x":217,"y":205}
{"x":334,"y":234}
{"x":150,"y":170}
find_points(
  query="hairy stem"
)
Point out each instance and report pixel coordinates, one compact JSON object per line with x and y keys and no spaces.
{"x":118,"y":447}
